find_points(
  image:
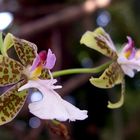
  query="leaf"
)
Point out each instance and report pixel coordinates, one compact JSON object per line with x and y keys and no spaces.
{"x":10,"y":71}
{"x":111,"y":76}
{"x":100,"y":41}
{"x":11,"y":103}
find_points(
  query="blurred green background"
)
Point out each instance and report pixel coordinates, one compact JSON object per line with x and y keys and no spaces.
{"x":59,"y":25}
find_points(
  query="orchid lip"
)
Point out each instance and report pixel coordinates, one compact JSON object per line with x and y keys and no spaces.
{"x":52,"y":106}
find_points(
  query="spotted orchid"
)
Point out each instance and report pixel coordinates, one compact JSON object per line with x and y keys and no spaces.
{"x":125,"y":62}
{"x":21,"y":67}
{"x":52,"y":106}
{"x":16,"y":55}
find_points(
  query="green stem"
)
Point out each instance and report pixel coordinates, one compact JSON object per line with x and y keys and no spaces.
{"x":81,"y":70}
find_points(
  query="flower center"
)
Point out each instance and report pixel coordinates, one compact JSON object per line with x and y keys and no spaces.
{"x":42,"y":61}
{"x":36,"y":73}
{"x":128,"y":54}
{"x":38,"y":65}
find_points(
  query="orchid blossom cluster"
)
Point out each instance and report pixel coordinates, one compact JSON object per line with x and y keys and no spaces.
{"x":125,"y":62}
{"x":22,"y":68}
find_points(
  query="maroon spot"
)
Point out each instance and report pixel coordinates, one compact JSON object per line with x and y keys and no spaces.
{"x":3,"y":119}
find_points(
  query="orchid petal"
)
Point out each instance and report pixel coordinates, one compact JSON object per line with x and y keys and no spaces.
{"x":100,"y":41}
{"x":121,"y":101}
{"x":40,"y":59}
{"x":25,"y":50}
{"x":129,"y":51}
{"x":11,"y":71}
{"x":35,"y":63}
{"x":128,"y":66}
{"x":11,"y":102}
{"x":52,"y":106}
{"x":117,"y":104}
{"x":137,"y":55}
{"x":50,"y":61}
{"x":1,"y":42}
{"x":74,"y":112}
{"x":112,"y":75}
{"x":44,"y":74}
{"x":129,"y":45}
{"x":7,"y":44}
{"x":128,"y":71}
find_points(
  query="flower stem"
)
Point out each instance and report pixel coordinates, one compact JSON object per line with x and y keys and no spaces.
{"x":81,"y":70}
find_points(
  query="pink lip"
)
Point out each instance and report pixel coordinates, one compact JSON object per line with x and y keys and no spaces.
{"x":130,"y":47}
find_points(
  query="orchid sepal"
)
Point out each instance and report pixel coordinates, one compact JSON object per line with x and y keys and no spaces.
{"x":7,"y":44}
{"x":120,"y":102}
{"x":11,"y":71}
{"x":111,"y":76}
{"x":11,"y":102}
{"x":100,"y":41}
{"x":1,"y":42}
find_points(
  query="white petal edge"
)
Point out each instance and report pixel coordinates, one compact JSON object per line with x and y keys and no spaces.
{"x":52,"y":106}
{"x":128,"y":66}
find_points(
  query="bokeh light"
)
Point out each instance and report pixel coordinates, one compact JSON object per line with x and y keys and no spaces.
{"x":103,"y":19}
{"x":87,"y":62}
{"x":34,"y":122}
{"x":36,"y":96}
{"x":6,"y":19}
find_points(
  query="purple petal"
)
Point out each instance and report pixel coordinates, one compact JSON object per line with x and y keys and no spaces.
{"x":50,"y":61}
{"x":130,"y":41}
{"x":129,"y":47}
{"x":133,"y":53}
{"x":35,"y":63}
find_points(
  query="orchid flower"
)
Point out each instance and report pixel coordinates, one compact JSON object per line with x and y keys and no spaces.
{"x":20,"y":66}
{"x":16,"y":55}
{"x":52,"y":106}
{"x":126,"y":62}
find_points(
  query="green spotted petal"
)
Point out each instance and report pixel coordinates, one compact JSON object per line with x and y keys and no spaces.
{"x":44,"y":74}
{"x":1,"y":42}
{"x":117,"y":104}
{"x":7,"y":44}
{"x":10,"y":71}
{"x":121,"y":100}
{"x":100,"y":41}
{"x":25,"y":50}
{"x":11,"y":103}
{"x":111,"y":76}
